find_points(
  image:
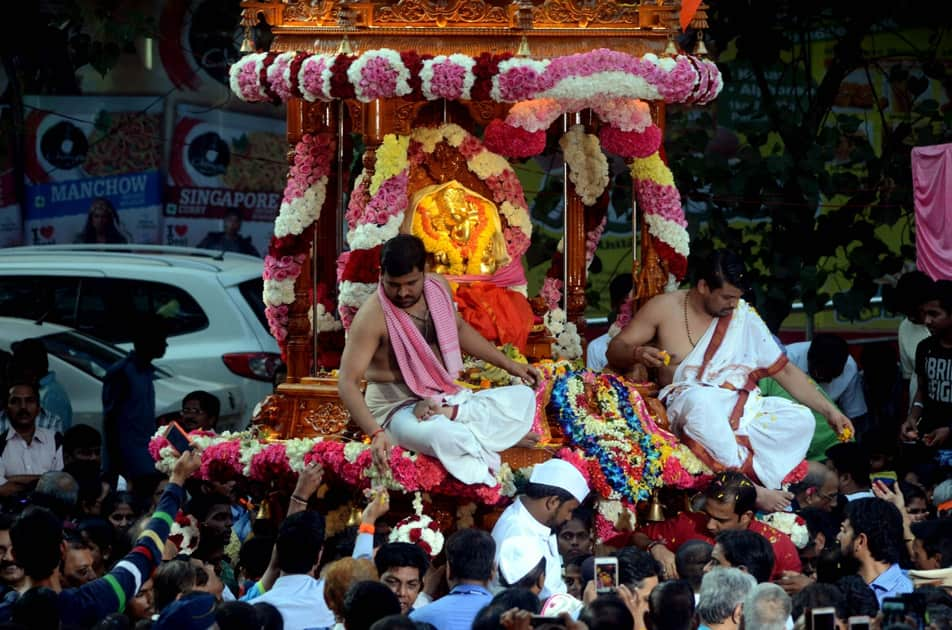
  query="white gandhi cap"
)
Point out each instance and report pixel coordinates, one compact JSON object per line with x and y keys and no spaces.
{"x":518,"y":555}
{"x":561,"y":474}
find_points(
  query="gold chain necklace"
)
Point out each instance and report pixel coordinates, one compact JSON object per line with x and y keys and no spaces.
{"x":687,"y":327}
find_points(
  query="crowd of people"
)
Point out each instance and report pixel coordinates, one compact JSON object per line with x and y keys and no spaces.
{"x":92,"y":536}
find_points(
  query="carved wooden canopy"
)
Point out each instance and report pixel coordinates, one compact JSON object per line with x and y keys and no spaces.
{"x":550,"y":27}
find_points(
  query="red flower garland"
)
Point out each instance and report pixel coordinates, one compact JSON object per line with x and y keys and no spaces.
{"x":487,"y":66}
{"x":340,"y":84}
{"x":513,"y":142}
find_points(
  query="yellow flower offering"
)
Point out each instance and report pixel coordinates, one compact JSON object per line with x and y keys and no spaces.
{"x":845,"y":435}
{"x":666,"y":357}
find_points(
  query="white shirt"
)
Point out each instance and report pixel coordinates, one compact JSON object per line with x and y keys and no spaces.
{"x":40,"y":456}
{"x":846,"y":390}
{"x":300,"y":600}
{"x":596,"y":356}
{"x":516,"y":521}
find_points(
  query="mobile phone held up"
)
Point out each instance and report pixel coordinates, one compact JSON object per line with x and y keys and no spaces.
{"x":859,"y":622}
{"x":606,"y":574}
{"x":822,"y":619}
{"x":178,"y":438}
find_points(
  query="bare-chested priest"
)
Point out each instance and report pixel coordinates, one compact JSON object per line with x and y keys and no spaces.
{"x":719,"y":348}
{"x":406,"y":341}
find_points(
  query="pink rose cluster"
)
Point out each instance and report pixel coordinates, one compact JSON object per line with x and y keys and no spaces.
{"x":448,"y":80}
{"x":378,"y":79}
{"x":551,"y":292}
{"x":661,"y":200}
{"x":283,"y":268}
{"x":600,"y":60}
{"x":517,"y":243}
{"x":312,"y":160}
{"x":519,"y":82}
{"x":269,"y":463}
{"x":278,"y":76}
{"x":681,"y":81}
{"x":593,"y":238}
{"x":249,"y":81}
{"x":221,"y":461}
{"x":390,"y":200}
{"x":277,"y":317}
{"x":506,"y":186}
{"x":630,"y":144}
{"x":312,"y":75}
{"x":513,"y":142}
{"x":356,"y":205}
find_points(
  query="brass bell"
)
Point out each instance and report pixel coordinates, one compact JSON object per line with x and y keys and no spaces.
{"x":655,"y":511}
{"x":264,"y":510}
{"x":356,"y":514}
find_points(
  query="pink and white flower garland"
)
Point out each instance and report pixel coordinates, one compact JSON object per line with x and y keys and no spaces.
{"x":597,"y":74}
{"x":314,"y":78}
{"x":301,"y":205}
{"x":244,"y":78}
{"x":379,"y":74}
{"x":448,"y":76}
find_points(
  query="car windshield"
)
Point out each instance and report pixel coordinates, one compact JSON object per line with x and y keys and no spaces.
{"x":88,"y":354}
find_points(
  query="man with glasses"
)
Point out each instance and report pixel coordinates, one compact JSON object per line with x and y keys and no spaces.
{"x":818,"y":489}
{"x":200,"y":411}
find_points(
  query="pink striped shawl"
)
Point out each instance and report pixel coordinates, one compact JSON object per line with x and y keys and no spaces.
{"x":421,"y":369}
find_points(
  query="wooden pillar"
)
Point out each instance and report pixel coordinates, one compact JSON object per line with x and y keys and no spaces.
{"x":574,"y":239}
{"x":305,"y":118}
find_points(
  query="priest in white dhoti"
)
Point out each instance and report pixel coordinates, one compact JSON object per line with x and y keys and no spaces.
{"x":711,"y":348}
{"x":406,"y":342}
{"x":555,"y":489}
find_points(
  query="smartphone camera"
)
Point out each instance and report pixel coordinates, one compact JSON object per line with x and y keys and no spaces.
{"x":606,"y":574}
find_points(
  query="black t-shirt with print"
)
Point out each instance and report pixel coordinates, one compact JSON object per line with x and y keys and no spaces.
{"x":934,"y":370}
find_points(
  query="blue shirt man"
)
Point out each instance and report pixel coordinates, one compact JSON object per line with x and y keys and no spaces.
{"x":470,"y":560}
{"x":128,"y":403}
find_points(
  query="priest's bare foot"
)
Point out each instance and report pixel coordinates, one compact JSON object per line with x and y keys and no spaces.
{"x":772,"y":500}
{"x":530,"y":440}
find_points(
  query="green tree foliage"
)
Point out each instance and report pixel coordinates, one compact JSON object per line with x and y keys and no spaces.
{"x":784,"y":176}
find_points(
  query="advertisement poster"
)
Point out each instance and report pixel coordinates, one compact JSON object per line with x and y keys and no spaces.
{"x":225,"y":180}
{"x":11,"y":221}
{"x":92,"y":169}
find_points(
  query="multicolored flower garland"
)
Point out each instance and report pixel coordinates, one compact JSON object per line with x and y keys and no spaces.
{"x":301,"y":205}
{"x":663,"y":214}
{"x":628,"y":454}
{"x":386,"y":73}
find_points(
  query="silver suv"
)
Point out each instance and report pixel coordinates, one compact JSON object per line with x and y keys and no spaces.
{"x":212,"y":301}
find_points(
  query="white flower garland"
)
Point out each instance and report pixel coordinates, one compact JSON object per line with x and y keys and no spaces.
{"x":355,"y":293}
{"x":369,"y":235}
{"x":325,"y":320}
{"x":303,"y":211}
{"x":568,"y":343}
{"x":588,"y":166}
{"x":670,"y":232}
{"x":277,"y":292}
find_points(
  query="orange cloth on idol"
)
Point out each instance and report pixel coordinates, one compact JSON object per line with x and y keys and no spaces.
{"x":499,"y":315}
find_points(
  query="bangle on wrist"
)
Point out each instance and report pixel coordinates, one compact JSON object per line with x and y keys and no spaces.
{"x":366,"y":528}
{"x":652,"y":545}
{"x":295,"y":497}
{"x":376,"y":433}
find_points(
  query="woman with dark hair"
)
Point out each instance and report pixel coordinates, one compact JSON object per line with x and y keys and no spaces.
{"x":102,"y":224}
